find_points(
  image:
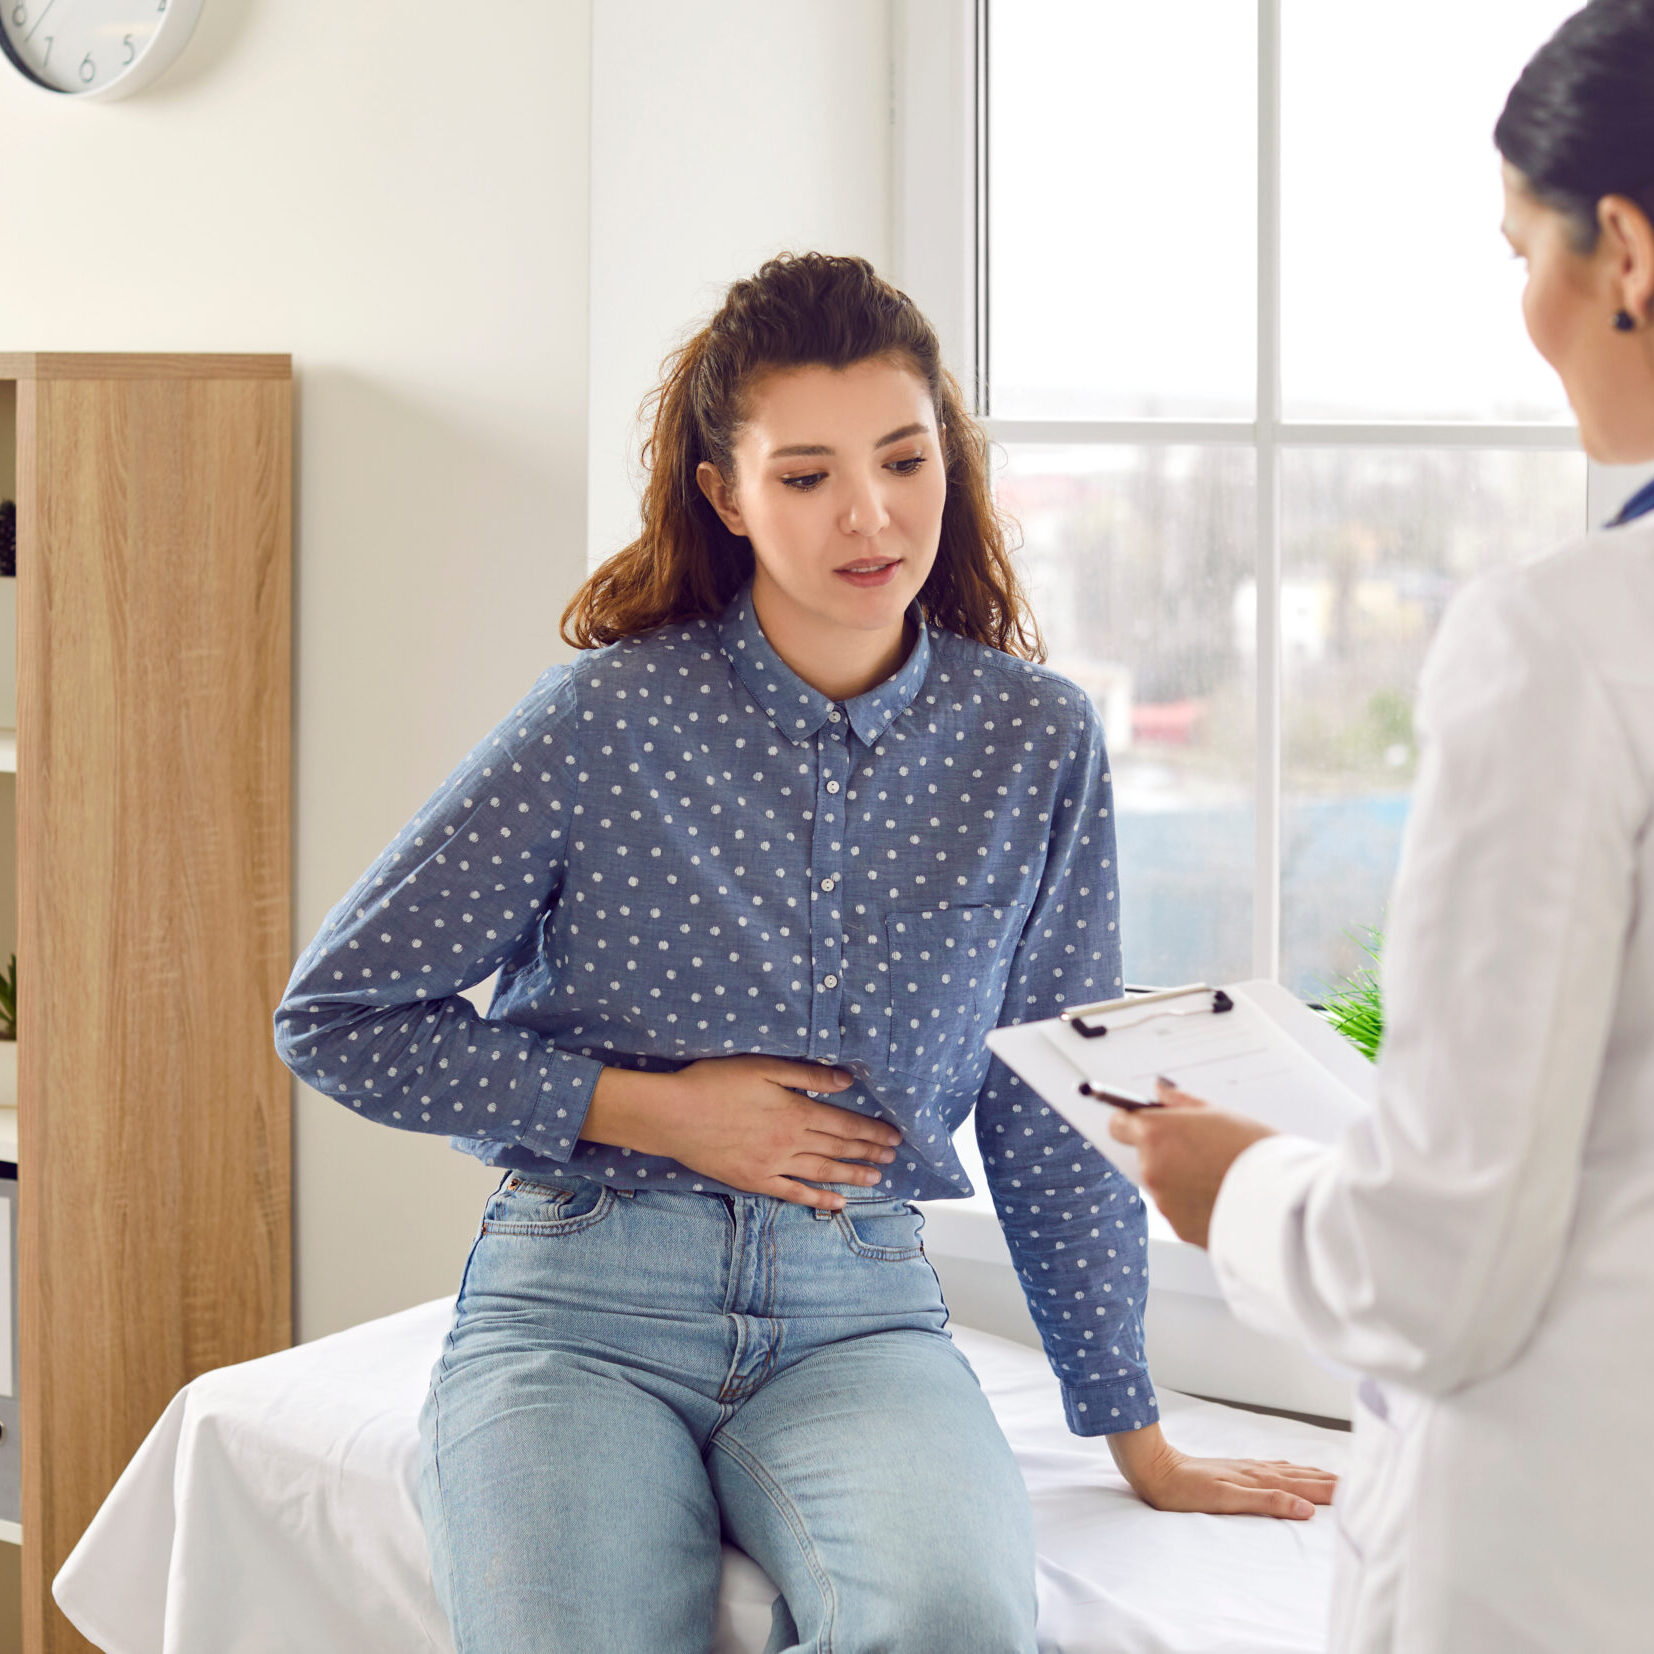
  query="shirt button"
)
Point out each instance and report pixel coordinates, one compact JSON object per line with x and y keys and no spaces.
{"x":829,"y":981}
{"x":832,"y":786}
{"x":827,"y":884}
{"x":834,"y":717}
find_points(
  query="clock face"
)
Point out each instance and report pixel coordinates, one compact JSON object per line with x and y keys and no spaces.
{"x":94,"y":48}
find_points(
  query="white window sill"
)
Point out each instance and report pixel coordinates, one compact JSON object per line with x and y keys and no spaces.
{"x":1194,"y":1343}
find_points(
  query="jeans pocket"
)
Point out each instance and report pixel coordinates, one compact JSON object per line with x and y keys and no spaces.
{"x":527,"y":1205}
{"x":885,"y":1229}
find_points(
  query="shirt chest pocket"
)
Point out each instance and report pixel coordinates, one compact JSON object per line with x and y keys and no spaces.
{"x":948,"y":967}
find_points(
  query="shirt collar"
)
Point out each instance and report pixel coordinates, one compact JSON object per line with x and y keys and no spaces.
{"x":797,"y":710}
{"x":1639,"y":505}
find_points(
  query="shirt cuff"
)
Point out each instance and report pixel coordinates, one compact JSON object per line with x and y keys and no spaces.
{"x":1253,"y":1238}
{"x":1110,"y":1406}
{"x":565,"y":1096}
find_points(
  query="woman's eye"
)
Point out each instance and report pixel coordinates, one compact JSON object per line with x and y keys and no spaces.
{"x":906,"y":467}
{"x":803,"y":484}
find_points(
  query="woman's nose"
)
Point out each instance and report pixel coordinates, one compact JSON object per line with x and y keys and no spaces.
{"x":864,"y":511}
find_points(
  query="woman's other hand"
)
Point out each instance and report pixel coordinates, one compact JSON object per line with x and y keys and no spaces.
{"x":1185,"y":1150}
{"x":743,"y":1121}
{"x":1169,"y":1480}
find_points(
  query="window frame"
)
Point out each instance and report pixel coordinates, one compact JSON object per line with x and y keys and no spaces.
{"x":939,"y":244}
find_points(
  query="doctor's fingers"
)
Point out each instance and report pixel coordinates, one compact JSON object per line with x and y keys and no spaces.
{"x":1126,"y":1127}
{"x":1153,"y":1131}
{"x":1189,"y":1142}
{"x":1168,"y":1094}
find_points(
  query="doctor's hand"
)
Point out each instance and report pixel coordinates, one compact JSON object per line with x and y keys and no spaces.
{"x":1168,"y":1480}
{"x":1185,"y":1150}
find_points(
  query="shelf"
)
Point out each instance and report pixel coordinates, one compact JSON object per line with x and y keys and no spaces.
{"x":124,"y":465}
{"x":11,"y":1533}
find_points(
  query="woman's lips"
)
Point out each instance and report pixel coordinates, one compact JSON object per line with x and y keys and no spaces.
{"x":873,"y":577}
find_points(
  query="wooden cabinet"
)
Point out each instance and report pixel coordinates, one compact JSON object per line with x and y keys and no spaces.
{"x":153,"y":912}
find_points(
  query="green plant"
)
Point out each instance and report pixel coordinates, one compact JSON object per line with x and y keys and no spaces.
{"x":8,"y":1001}
{"x":1356,"y":1006}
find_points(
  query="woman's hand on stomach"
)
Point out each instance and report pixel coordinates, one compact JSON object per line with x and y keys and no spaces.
{"x":743,"y":1121}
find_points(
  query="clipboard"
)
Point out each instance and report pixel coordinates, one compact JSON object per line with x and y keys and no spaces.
{"x":1252,"y":1048}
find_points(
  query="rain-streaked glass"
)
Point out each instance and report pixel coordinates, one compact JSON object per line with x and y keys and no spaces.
{"x":1139,"y":562}
{"x":1375,"y":542}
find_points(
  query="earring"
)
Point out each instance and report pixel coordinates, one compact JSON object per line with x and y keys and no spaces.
{"x":1624,"y":322}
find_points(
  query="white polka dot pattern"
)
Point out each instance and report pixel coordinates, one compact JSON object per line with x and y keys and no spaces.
{"x":675,"y":849}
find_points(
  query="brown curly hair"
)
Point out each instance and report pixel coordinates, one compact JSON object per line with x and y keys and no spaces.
{"x":799,"y":310}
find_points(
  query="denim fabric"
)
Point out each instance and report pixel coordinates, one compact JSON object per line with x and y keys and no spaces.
{"x":675,"y":849}
{"x":631,"y":1376}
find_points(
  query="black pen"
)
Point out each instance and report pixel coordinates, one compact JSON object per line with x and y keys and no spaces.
{"x":1119,"y":1099}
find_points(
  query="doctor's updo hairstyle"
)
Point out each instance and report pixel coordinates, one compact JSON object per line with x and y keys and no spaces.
{"x":1579,"y":123}
{"x":800,"y":310}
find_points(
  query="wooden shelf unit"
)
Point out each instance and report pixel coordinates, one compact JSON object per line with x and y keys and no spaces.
{"x":153,"y":852}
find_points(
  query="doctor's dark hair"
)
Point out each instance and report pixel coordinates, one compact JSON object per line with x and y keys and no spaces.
{"x":800,"y":310}
{"x":1579,"y":123}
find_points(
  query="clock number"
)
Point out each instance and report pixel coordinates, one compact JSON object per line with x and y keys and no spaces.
{"x":20,"y":16}
{"x":88,"y":70}
{"x":162,"y":6}
{"x":131,"y":50}
{"x":46,"y":60}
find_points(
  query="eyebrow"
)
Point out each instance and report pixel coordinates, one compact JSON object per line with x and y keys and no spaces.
{"x":812,"y":448}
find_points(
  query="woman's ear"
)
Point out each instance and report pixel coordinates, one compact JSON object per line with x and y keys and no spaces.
{"x":721,"y":497}
{"x":1628,"y":240}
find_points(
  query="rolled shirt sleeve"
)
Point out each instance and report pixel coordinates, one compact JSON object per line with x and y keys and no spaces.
{"x":374,"y":1014}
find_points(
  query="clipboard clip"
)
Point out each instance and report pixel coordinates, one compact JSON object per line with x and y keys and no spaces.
{"x":1084,"y":1019}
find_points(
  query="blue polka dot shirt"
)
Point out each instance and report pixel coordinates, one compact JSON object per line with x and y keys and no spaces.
{"x":674,"y":849}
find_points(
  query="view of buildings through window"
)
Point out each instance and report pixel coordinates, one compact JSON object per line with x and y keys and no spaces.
{"x":1141,"y":566}
{"x":1123,"y":268}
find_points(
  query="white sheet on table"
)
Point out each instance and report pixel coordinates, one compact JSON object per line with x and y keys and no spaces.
{"x":272,"y":1511}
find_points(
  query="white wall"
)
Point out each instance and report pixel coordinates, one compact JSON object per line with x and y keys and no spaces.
{"x":720,"y":135}
{"x":406,"y":211}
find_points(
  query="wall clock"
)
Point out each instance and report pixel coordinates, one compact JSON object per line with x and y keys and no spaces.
{"x":95,"y":48}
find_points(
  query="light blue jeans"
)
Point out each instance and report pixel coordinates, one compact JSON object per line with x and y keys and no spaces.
{"x":633,"y":1376}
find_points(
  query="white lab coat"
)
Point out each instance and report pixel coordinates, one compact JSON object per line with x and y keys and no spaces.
{"x":1483,"y":1245}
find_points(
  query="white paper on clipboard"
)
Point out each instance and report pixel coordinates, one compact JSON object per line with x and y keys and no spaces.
{"x":1271,"y":1058}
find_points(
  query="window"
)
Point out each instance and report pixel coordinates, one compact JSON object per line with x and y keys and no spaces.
{"x":1227,"y":278}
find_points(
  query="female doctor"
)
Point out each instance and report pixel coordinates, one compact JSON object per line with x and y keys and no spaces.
{"x":1482,"y":1247}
